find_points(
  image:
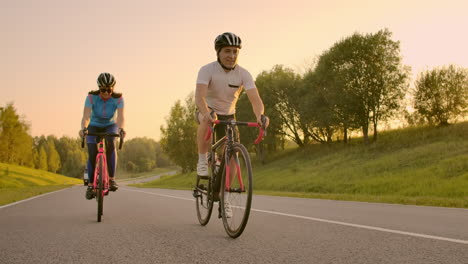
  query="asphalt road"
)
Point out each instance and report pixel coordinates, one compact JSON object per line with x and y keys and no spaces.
{"x":160,"y":226}
{"x":144,"y":179}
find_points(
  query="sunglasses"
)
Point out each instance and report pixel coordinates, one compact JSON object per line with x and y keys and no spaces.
{"x":103,"y":90}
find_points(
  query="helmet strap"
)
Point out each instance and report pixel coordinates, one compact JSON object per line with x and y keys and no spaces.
{"x":224,"y":67}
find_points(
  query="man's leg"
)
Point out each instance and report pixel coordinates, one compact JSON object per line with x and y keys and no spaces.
{"x":202,"y":146}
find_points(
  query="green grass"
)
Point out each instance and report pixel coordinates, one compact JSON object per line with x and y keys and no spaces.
{"x":423,"y":166}
{"x":121,"y":174}
{"x":178,"y":182}
{"x":18,"y":183}
{"x":11,"y":195}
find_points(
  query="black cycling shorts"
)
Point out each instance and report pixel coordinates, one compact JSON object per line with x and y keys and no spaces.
{"x":220,"y":129}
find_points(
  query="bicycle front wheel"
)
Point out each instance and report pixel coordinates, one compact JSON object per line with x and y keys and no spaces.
{"x":100,"y":188}
{"x":236,"y":191}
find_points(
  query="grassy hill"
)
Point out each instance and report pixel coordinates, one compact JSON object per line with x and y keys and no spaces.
{"x":17,"y":183}
{"x":419,"y":165}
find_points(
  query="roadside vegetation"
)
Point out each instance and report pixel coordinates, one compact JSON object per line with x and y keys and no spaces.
{"x":336,"y":112}
{"x":18,"y":183}
{"x":126,"y":175}
{"x":419,"y":165}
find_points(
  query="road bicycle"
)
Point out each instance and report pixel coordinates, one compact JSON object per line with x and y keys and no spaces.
{"x":101,"y":176}
{"x":229,"y":166}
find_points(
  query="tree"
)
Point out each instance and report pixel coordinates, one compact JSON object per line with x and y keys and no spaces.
{"x":74,"y":164}
{"x":53,"y":158}
{"x":130,"y":166}
{"x":365,"y":78}
{"x":35,"y":158}
{"x":42,"y":159}
{"x":178,"y":138}
{"x":15,"y":141}
{"x":162,"y":160}
{"x":280,"y":90}
{"x":391,"y":77}
{"x":274,"y":138}
{"x":72,"y":157}
{"x":141,"y":153}
{"x":320,"y":105}
{"x":441,"y":94}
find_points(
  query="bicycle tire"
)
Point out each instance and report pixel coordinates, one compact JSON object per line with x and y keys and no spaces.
{"x":239,"y":198}
{"x":100,"y":189}
{"x":204,"y":199}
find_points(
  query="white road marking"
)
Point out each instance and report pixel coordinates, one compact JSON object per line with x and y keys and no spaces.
{"x":29,"y":199}
{"x":158,"y":194}
{"x":330,"y":221}
{"x":365,"y":227}
{"x":283,"y":214}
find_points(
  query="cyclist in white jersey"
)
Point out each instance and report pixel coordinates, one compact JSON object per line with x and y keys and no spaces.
{"x":219,"y":85}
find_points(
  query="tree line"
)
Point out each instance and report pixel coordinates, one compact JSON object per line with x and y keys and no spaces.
{"x":64,"y":155}
{"x":353,"y":87}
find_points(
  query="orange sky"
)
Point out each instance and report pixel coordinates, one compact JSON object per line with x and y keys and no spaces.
{"x":53,"y":50}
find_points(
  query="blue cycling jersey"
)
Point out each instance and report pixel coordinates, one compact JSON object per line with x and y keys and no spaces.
{"x":103,"y":111}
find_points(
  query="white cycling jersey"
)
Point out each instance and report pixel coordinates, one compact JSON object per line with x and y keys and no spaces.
{"x":224,"y":87}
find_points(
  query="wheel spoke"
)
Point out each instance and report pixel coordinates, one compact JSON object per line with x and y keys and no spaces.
{"x":237,"y":195}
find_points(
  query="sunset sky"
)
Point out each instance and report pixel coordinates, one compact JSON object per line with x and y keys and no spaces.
{"x":53,"y":50}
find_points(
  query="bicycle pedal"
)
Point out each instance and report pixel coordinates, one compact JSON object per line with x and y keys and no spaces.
{"x":196,"y":194}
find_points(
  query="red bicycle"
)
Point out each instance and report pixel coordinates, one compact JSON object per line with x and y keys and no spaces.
{"x":230,"y":167}
{"x":101,"y":176}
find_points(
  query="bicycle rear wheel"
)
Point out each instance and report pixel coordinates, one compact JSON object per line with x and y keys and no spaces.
{"x":204,"y":200}
{"x":236,"y":191}
{"x":100,"y":188}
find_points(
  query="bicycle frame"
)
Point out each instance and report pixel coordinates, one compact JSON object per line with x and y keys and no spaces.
{"x":228,"y":141}
{"x":233,"y":194}
{"x":101,"y":190}
{"x":101,"y":153}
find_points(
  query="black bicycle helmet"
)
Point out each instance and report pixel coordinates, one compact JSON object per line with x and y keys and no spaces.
{"x":106,"y":79}
{"x":227,"y":39}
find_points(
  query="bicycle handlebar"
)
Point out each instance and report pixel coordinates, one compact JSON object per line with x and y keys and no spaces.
{"x":261,"y":133}
{"x":104,"y":134}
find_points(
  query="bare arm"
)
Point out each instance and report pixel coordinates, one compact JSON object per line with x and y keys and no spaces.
{"x":257,"y":103}
{"x":200,"y":101}
{"x":85,"y":120}
{"x":120,"y":118}
{"x":86,"y":117}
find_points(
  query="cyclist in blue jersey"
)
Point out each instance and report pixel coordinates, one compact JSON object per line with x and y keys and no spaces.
{"x":99,"y":115}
